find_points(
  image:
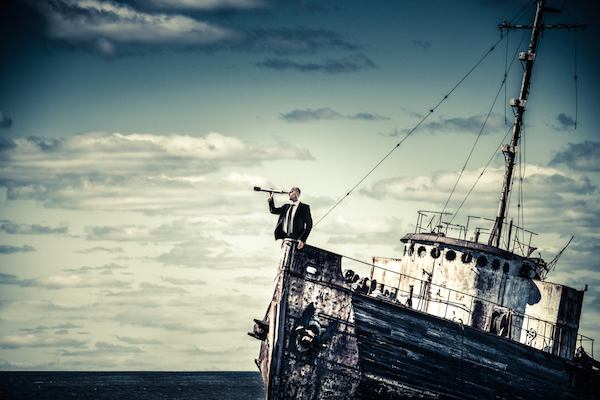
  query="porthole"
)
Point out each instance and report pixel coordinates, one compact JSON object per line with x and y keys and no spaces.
{"x":311,"y":270}
{"x":466,"y":258}
{"x":450,"y":255}
{"x":349,"y":276}
{"x":421,"y":252}
{"x":527,"y":271}
{"x":373,"y":285}
{"x":506,"y":268}
{"x":435,"y":252}
{"x":495,"y":264}
{"x":482,"y":261}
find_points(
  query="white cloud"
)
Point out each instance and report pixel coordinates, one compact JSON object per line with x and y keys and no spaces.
{"x":541,"y":184}
{"x":179,"y":281}
{"x":327,"y":114}
{"x":217,"y":314}
{"x":6,"y":249}
{"x":205,"y":4}
{"x":143,"y":172}
{"x":108,"y":21}
{"x":101,"y":349}
{"x":475,"y":124}
{"x":79,"y":278}
{"x":580,"y":156}
{"x":436,"y":187}
{"x":74,"y":281}
{"x":174,"y":231}
{"x":210,"y":253}
{"x":32,"y":229}
{"x":37,"y":340}
{"x":131,"y":340}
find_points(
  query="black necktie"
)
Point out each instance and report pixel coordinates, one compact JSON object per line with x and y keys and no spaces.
{"x":289,"y":225}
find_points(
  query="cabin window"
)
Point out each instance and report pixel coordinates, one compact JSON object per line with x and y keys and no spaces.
{"x":421,"y":252}
{"x":435,"y":252}
{"x":496,"y":264}
{"x":411,"y":249}
{"x":466,"y":258}
{"x":450,"y":255}
{"x":506,"y":268}
{"x":482,"y":261}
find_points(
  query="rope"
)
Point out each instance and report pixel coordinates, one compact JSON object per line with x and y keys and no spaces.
{"x":522,"y":167}
{"x":576,"y":92}
{"x":575,"y":61}
{"x":503,"y":84}
{"x":505,"y":76}
{"x":480,"y":175}
{"x":431,"y":111}
{"x":358,"y":261}
{"x":472,"y":150}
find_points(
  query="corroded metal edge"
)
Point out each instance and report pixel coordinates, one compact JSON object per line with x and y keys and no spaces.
{"x":310,"y":350}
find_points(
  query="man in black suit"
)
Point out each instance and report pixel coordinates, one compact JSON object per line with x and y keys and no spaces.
{"x":294,"y":221}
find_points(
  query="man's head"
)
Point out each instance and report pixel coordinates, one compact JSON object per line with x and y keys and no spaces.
{"x":294,"y":193}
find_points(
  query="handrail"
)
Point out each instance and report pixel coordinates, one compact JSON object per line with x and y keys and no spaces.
{"x":513,"y":243}
{"x":517,"y":326}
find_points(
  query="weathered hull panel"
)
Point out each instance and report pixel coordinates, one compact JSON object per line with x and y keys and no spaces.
{"x":311,"y":350}
{"x":410,"y":354}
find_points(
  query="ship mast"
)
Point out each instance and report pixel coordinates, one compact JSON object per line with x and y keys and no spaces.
{"x":510,"y":150}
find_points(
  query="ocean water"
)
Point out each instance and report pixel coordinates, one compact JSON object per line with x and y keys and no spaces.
{"x":131,"y":385}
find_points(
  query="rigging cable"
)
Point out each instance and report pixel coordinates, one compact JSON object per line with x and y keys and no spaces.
{"x":517,"y":17}
{"x":483,"y":126}
{"x":576,"y":92}
{"x":431,"y":111}
{"x":505,"y":77}
{"x":575,"y":56}
{"x":471,"y":153}
{"x":483,"y":171}
{"x":522,"y":173}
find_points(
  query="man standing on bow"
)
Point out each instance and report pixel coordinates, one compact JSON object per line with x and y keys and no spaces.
{"x":295,"y":221}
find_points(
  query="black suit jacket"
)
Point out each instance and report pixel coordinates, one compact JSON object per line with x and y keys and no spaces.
{"x":302,"y":223}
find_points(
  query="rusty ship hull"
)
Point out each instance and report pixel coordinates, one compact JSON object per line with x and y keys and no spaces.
{"x":371,"y":346}
{"x":455,"y":317}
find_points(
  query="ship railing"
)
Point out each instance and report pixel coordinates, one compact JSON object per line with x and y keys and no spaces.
{"x":514,"y":238}
{"x":469,"y":310}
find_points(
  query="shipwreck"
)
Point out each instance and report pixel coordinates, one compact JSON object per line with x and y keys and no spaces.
{"x":454,"y":317}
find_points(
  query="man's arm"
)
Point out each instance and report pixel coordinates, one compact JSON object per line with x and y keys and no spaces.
{"x":308,"y":223}
{"x":272,"y":208}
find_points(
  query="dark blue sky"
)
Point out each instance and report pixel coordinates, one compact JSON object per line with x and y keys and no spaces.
{"x":133,"y":132}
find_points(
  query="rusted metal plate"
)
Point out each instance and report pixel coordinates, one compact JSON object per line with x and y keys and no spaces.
{"x":433,"y":358}
{"x":311,"y":329}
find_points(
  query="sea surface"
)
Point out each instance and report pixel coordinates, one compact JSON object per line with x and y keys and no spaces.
{"x":131,"y":385}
